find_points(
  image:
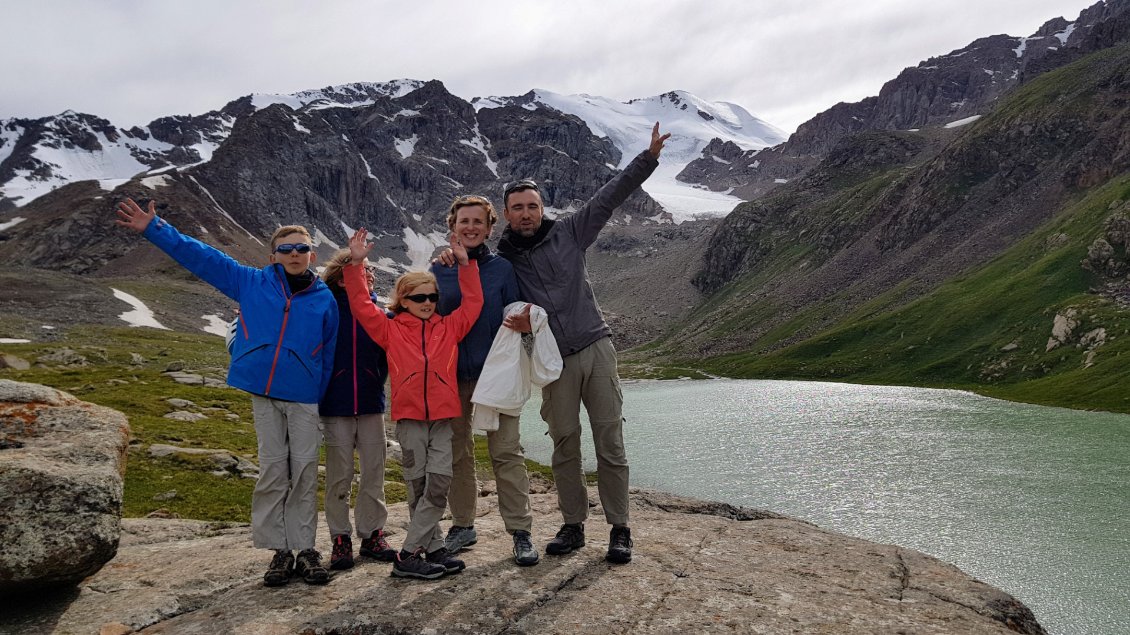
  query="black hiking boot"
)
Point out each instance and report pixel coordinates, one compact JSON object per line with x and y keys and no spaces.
{"x":413,"y":565}
{"x":308,"y":564}
{"x":281,"y":568}
{"x":569,"y":538}
{"x":620,"y":546}
{"x":450,"y":563}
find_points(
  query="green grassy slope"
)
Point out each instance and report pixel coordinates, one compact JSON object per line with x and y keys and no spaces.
{"x":987,"y":331}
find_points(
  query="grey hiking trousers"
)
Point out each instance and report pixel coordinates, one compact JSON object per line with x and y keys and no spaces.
{"x":589,"y":377}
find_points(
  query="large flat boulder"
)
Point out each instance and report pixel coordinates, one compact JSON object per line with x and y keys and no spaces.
{"x":697,"y":568}
{"x":61,"y":466}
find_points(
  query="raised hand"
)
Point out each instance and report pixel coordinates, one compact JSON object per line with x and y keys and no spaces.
{"x":359,"y":247}
{"x":458,"y":250}
{"x":657,"y":141}
{"x":131,"y":216}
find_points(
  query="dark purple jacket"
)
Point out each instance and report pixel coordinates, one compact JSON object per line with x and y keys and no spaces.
{"x":357,"y":385}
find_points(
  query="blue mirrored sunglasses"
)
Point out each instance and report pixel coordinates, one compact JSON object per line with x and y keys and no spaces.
{"x":286,"y":248}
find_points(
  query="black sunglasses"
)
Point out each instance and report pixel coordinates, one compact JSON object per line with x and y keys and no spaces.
{"x":419,"y":298}
{"x":286,"y":248}
{"x":520,"y":186}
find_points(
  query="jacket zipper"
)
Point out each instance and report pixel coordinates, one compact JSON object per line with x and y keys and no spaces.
{"x":355,"y":408}
{"x":558,"y":328}
{"x":282,"y":332}
{"x":424,"y":348}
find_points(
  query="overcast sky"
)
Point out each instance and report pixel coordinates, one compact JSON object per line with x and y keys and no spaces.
{"x":132,"y":61}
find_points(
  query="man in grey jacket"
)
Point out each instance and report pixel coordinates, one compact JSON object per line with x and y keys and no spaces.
{"x":549,"y":260}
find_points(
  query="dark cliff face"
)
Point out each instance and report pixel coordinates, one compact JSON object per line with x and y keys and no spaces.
{"x":388,"y":158}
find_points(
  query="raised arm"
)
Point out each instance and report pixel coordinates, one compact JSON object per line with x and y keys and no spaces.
{"x":587,"y":223}
{"x":205,"y":261}
{"x":372,"y":319}
{"x":471,"y":288}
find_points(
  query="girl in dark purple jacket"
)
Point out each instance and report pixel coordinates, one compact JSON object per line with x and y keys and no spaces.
{"x":353,"y":419}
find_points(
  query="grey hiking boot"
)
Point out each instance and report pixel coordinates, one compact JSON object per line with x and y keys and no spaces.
{"x":281,"y":568}
{"x":569,"y":538}
{"x":450,"y":563}
{"x":308,"y":564}
{"x":619,"y":545}
{"x":458,"y":538}
{"x":524,"y":552}
{"x":414,"y":565}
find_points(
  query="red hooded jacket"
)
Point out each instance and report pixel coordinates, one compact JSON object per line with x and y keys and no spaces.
{"x":422,"y":354}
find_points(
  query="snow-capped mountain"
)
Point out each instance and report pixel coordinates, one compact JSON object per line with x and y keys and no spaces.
{"x":692,"y":122}
{"x":41,"y":155}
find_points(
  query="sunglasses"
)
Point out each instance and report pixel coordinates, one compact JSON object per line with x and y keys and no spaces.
{"x":286,"y":248}
{"x":520,"y":186}
{"x":420,"y":298}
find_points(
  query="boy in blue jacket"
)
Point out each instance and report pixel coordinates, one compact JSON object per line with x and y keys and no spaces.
{"x":283,"y":355}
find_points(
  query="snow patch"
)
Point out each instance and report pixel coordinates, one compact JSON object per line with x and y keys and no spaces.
{"x":720,"y":160}
{"x":13,"y":340}
{"x":298,"y":126}
{"x":482,"y":144}
{"x":12,"y":223}
{"x":780,"y":180}
{"x":108,"y":184}
{"x":141,"y":315}
{"x":1065,"y":34}
{"x":322,"y":239}
{"x":388,"y":265}
{"x":154,"y":182}
{"x":1019,"y":50}
{"x":962,"y":122}
{"x":368,"y":168}
{"x":215,"y":325}
{"x":406,"y":146}
{"x":421,"y":247}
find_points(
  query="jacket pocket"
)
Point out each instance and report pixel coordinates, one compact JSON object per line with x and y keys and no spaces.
{"x":295,"y":358}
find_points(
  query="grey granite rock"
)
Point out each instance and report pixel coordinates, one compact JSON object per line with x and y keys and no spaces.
{"x":60,"y":486}
{"x":695,"y":569}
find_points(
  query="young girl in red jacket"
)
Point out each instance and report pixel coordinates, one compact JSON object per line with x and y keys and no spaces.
{"x":422,"y":349}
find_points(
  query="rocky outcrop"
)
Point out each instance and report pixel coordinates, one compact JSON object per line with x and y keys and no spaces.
{"x":697,"y":567}
{"x":61,"y":466}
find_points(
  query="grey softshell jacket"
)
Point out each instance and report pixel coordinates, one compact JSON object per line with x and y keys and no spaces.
{"x":552,"y":274}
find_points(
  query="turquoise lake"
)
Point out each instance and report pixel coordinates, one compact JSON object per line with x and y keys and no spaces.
{"x":1033,"y":500}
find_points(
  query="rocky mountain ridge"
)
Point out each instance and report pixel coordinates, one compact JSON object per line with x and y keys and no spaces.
{"x":941,"y":90}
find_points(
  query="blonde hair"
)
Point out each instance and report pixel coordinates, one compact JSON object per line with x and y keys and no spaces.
{"x":289,"y":229}
{"x":470,"y":200}
{"x":404,"y":286}
{"x":332,"y":274}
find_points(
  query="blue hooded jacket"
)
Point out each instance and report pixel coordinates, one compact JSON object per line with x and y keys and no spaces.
{"x":500,"y":288}
{"x":357,"y":386}
{"x":284,"y":345}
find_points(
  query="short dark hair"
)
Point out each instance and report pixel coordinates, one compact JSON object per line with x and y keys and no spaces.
{"x":520,"y":185}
